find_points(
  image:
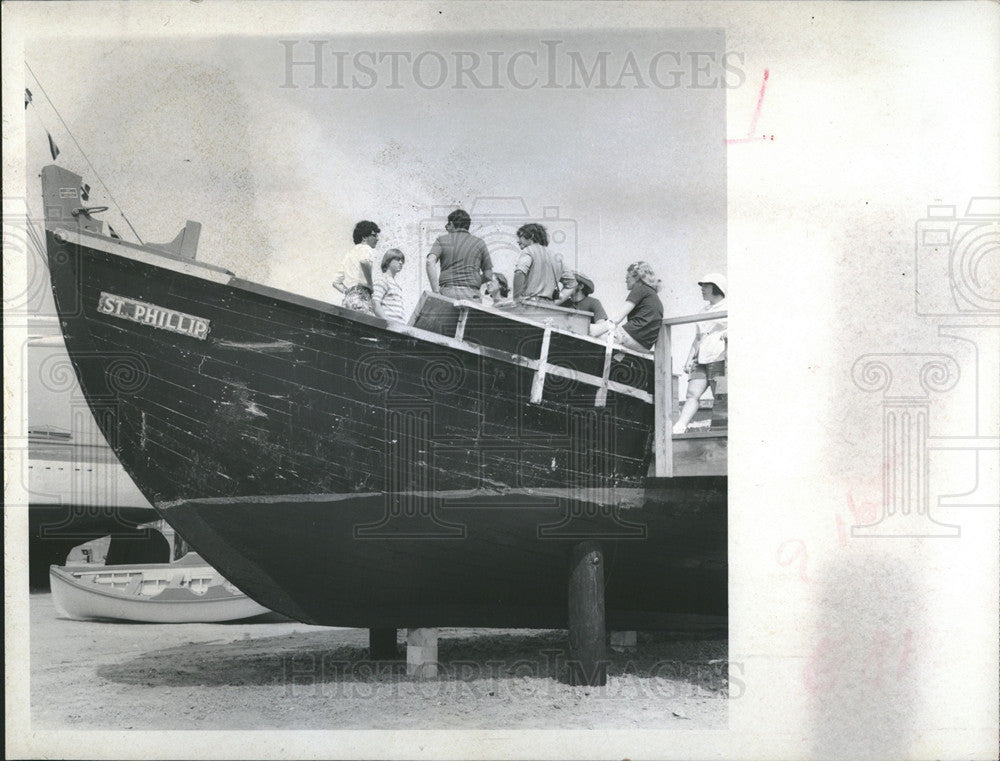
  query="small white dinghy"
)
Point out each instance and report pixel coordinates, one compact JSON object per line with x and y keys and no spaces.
{"x":186,"y":591}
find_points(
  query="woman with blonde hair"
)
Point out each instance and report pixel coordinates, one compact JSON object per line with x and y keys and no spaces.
{"x":638,"y":324}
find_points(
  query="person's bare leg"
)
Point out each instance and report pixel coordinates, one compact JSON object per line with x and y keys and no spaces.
{"x":695,"y":389}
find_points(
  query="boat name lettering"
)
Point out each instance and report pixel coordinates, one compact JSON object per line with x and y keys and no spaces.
{"x":153,"y":315}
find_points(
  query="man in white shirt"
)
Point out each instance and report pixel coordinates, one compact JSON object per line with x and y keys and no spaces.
{"x":354,"y":279}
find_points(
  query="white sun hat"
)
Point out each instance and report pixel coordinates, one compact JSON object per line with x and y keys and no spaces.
{"x":718,"y":279}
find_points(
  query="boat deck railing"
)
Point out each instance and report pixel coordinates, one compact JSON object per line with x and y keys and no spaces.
{"x":542,"y":347}
{"x":667,"y":403}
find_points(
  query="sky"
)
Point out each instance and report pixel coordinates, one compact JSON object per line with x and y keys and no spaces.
{"x":597,"y":134}
{"x":873,"y":113}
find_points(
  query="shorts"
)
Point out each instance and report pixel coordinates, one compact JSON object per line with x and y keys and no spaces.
{"x":622,"y":337}
{"x":459,"y":292}
{"x":711,"y":371}
{"x":359,"y":299}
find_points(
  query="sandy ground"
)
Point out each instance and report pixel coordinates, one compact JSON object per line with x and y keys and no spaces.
{"x":273,"y":673}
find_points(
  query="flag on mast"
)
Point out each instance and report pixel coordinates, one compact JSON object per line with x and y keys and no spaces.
{"x":27,"y":97}
{"x":53,"y":148}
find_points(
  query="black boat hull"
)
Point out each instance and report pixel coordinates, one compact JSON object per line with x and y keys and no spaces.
{"x":470,"y":559}
{"x":278,"y":435}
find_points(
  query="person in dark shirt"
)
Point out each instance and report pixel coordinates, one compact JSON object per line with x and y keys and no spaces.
{"x":576,"y":294}
{"x":459,"y":262}
{"x":638,"y":324}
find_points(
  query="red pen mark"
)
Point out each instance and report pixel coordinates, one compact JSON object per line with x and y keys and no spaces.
{"x":825,"y":664}
{"x":841,"y":531}
{"x":857,"y":659}
{"x":873,"y":665}
{"x":752,"y":137}
{"x":797,"y":552}
{"x":864,"y":512}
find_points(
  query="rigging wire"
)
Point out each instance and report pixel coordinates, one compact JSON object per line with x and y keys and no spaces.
{"x":82,"y":153}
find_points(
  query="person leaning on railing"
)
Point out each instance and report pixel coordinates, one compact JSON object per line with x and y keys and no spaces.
{"x":638,"y":324}
{"x":706,"y":362}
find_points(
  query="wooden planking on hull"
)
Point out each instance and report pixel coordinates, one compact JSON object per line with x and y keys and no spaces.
{"x":347,"y":471}
{"x":438,"y":564}
{"x":251,"y":385}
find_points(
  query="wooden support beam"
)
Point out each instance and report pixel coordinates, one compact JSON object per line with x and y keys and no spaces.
{"x":463,"y":317}
{"x":422,"y":653}
{"x":538,"y":384}
{"x":601,"y":399}
{"x":662,"y":434}
{"x":588,"y":664}
{"x":382,"y":645}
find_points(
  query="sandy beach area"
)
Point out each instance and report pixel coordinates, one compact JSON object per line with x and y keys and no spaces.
{"x":272,"y":673}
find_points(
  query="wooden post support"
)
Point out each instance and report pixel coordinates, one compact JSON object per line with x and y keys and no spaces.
{"x":382,"y":645}
{"x":588,"y":651}
{"x":663,"y":453}
{"x":422,"y":653}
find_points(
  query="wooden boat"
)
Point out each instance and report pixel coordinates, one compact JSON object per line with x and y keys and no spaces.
{"x":346,"y":471}
{"x":186,"y":591}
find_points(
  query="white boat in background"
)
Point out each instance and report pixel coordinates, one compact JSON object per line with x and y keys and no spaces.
{"x":186,"y":591}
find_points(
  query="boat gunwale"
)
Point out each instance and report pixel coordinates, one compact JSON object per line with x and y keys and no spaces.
{"x":68,"y":577}
{"x":411,"y":331}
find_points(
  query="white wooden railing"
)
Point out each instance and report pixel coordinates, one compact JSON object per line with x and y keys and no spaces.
{"x":663,"y":445}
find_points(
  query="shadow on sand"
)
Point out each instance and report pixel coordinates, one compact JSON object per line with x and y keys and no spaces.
{"x":330,"y":656}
